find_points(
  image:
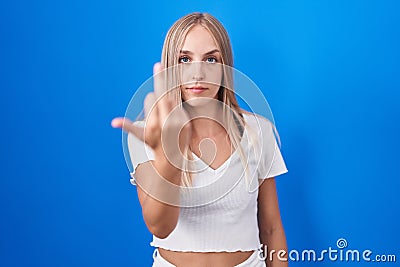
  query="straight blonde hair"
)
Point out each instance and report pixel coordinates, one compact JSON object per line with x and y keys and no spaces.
{"x":232,"y":115}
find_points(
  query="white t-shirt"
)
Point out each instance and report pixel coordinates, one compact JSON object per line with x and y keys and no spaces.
{"x":219,"y":212}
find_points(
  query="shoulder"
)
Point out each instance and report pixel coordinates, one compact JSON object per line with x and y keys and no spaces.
{"x":257,"y":122}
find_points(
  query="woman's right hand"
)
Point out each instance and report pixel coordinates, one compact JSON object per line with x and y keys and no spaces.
{"x":167,"y":128}
{"x":167,"y":132}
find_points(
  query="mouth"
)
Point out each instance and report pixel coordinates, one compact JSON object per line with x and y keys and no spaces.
{"x":197,"y":89}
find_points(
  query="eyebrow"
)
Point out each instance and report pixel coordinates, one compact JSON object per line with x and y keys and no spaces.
{"x":191,"y":53}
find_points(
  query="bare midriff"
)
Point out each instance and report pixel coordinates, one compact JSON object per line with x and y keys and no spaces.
{"x":201,"y":259}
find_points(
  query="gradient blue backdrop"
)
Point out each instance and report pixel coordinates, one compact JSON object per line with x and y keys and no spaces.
{"x":330,"y":70}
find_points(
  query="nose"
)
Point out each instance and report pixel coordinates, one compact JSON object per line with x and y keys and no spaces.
{"x":198,"y":73}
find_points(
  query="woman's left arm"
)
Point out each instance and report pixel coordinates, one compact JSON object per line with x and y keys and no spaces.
{"x":272,"y":234}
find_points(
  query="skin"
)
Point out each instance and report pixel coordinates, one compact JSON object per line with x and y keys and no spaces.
{"x":162,"y":218}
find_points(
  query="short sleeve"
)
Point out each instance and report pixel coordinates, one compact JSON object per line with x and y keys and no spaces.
{"x":271,"y":160}
{"x":139,"y":152}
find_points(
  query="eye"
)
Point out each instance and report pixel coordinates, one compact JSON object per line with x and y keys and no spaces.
{"x":211,"y":60}
{"x":184,"y":59}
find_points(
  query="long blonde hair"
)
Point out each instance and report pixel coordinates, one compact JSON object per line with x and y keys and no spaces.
{"x":232,"y":114}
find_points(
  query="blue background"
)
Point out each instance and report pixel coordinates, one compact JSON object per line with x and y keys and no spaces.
{"x":330,"y":71}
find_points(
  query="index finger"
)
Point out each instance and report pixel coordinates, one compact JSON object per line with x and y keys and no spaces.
{"x":128,"y":126}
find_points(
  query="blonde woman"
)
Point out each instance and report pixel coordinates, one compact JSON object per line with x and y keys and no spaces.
{"x":195,"y":136}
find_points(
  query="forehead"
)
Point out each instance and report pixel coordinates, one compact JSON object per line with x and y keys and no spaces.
{"x":199,"y":40}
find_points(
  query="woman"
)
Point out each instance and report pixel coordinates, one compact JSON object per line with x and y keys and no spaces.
{"x":200,"y":138}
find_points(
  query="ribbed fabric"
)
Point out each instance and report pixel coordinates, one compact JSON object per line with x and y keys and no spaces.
{"x":220,"y":212}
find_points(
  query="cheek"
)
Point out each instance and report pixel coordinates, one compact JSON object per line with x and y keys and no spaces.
{"x":214,"y":75}
{"x":183,"y":94}
{"x":185,"y":76}
{"x":214,"y":89}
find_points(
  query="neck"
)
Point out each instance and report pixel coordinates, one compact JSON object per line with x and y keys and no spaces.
{"x":206,"y":120}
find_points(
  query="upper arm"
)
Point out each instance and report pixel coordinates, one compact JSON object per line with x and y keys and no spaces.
{"x":269,"y":217}
{"x":142,"y":195}
{"x":139,"y":154}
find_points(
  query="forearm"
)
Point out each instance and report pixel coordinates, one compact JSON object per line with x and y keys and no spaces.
{"x":158,"y":189}
{"x":274,"y":247}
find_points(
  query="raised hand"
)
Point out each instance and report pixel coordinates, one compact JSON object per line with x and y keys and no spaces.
{"x":167,"y":128}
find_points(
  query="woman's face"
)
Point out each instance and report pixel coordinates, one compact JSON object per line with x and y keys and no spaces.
{"x":201,"y":62}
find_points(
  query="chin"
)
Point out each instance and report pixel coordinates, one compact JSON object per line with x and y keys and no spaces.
{"x":200,"y":101}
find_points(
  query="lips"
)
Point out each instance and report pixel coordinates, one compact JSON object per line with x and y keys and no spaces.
{"x":197,"y":89}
